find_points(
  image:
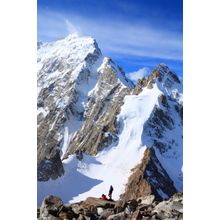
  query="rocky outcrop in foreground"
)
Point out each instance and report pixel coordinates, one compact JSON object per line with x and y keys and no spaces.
{"x":92,"y":208}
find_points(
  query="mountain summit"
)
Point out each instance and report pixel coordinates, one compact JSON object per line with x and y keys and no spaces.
{"x":96,"y":129}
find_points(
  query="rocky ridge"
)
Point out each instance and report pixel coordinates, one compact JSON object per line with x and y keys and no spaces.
{"x":92,"y":208}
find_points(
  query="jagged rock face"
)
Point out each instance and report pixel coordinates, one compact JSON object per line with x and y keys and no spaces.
{"x":146,"y":179}
{"x":76,"y":84}
{"x":158,"y":178}
{"x":162,"y":133}
{"x":137,"y":186}
{"x":163,"y":130}
{"x":104,"y":104}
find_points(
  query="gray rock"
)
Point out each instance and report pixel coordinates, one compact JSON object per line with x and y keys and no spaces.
{"x":106,"y":213}
{"x":119,"y":216}
{"x":100,"y":210}
{"x":147,"y":200}
{"x":50,"y":207}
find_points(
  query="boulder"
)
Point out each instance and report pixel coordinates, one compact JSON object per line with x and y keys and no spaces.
{"x":136,"y":215}
{"x":50,"y":207}
{"x":53,"y":208}
{"x":147,"y":200}
{"x":177,"y":206}
{"x":66,"y":212}
{"x":132,"y":205}
{"x":173,"y":208}
{"x":76,"y":208}
{"x":120,"y":206}
{"x":119,"y":216}
{"x":96,"y":202}
{"x":100,"y":210}
{"x":106,"y":213}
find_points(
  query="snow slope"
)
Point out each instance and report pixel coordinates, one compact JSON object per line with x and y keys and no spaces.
{"x":112,"y":165}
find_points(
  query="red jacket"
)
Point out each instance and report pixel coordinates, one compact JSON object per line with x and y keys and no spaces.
{"x":104,"y":197}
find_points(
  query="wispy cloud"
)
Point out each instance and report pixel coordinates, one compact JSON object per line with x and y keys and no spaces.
{"x":139,"y":74}
{"x":121,"y":38}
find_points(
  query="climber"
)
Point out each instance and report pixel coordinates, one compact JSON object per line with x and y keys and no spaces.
{"x":110,"y":192}
{"x":104,"y":197}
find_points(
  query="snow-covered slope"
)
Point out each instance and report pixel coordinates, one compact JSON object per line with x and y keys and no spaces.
{"x":118,"y":137}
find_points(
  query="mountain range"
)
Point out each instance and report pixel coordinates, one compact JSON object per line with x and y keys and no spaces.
{"x":97,"y":128}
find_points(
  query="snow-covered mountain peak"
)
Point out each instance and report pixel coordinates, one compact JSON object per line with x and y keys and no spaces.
{"x":166,"y":80}
{"x":162,"y":73}
{"x":108,"y":63}
{"x":72,"y":49}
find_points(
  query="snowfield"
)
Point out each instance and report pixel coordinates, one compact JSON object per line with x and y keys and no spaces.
{"x":93,"y":175}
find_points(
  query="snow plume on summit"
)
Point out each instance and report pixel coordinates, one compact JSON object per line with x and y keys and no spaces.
{"x":72,"y":29}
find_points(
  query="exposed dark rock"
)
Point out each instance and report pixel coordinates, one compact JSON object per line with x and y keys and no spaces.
{"x":50,"y":168}
{"x":163,"y":100}
{"x":181,"y":112}
{"x":158,"y":178}
{"x":137,"y":186}
{"x":140,"y":85}
{"x":146,"y":179}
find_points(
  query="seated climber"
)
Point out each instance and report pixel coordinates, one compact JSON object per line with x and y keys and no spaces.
{"x":104,"y":197}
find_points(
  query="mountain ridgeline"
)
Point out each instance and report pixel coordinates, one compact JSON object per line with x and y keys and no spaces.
{"x":96,"y":128}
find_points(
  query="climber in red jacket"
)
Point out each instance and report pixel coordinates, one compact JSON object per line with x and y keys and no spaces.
{"x":104,"y":197}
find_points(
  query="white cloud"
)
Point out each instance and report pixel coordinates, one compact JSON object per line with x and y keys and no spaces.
{"x":139,"y":74}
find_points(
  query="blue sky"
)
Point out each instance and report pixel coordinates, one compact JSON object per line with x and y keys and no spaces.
{"x":137,"y":34}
